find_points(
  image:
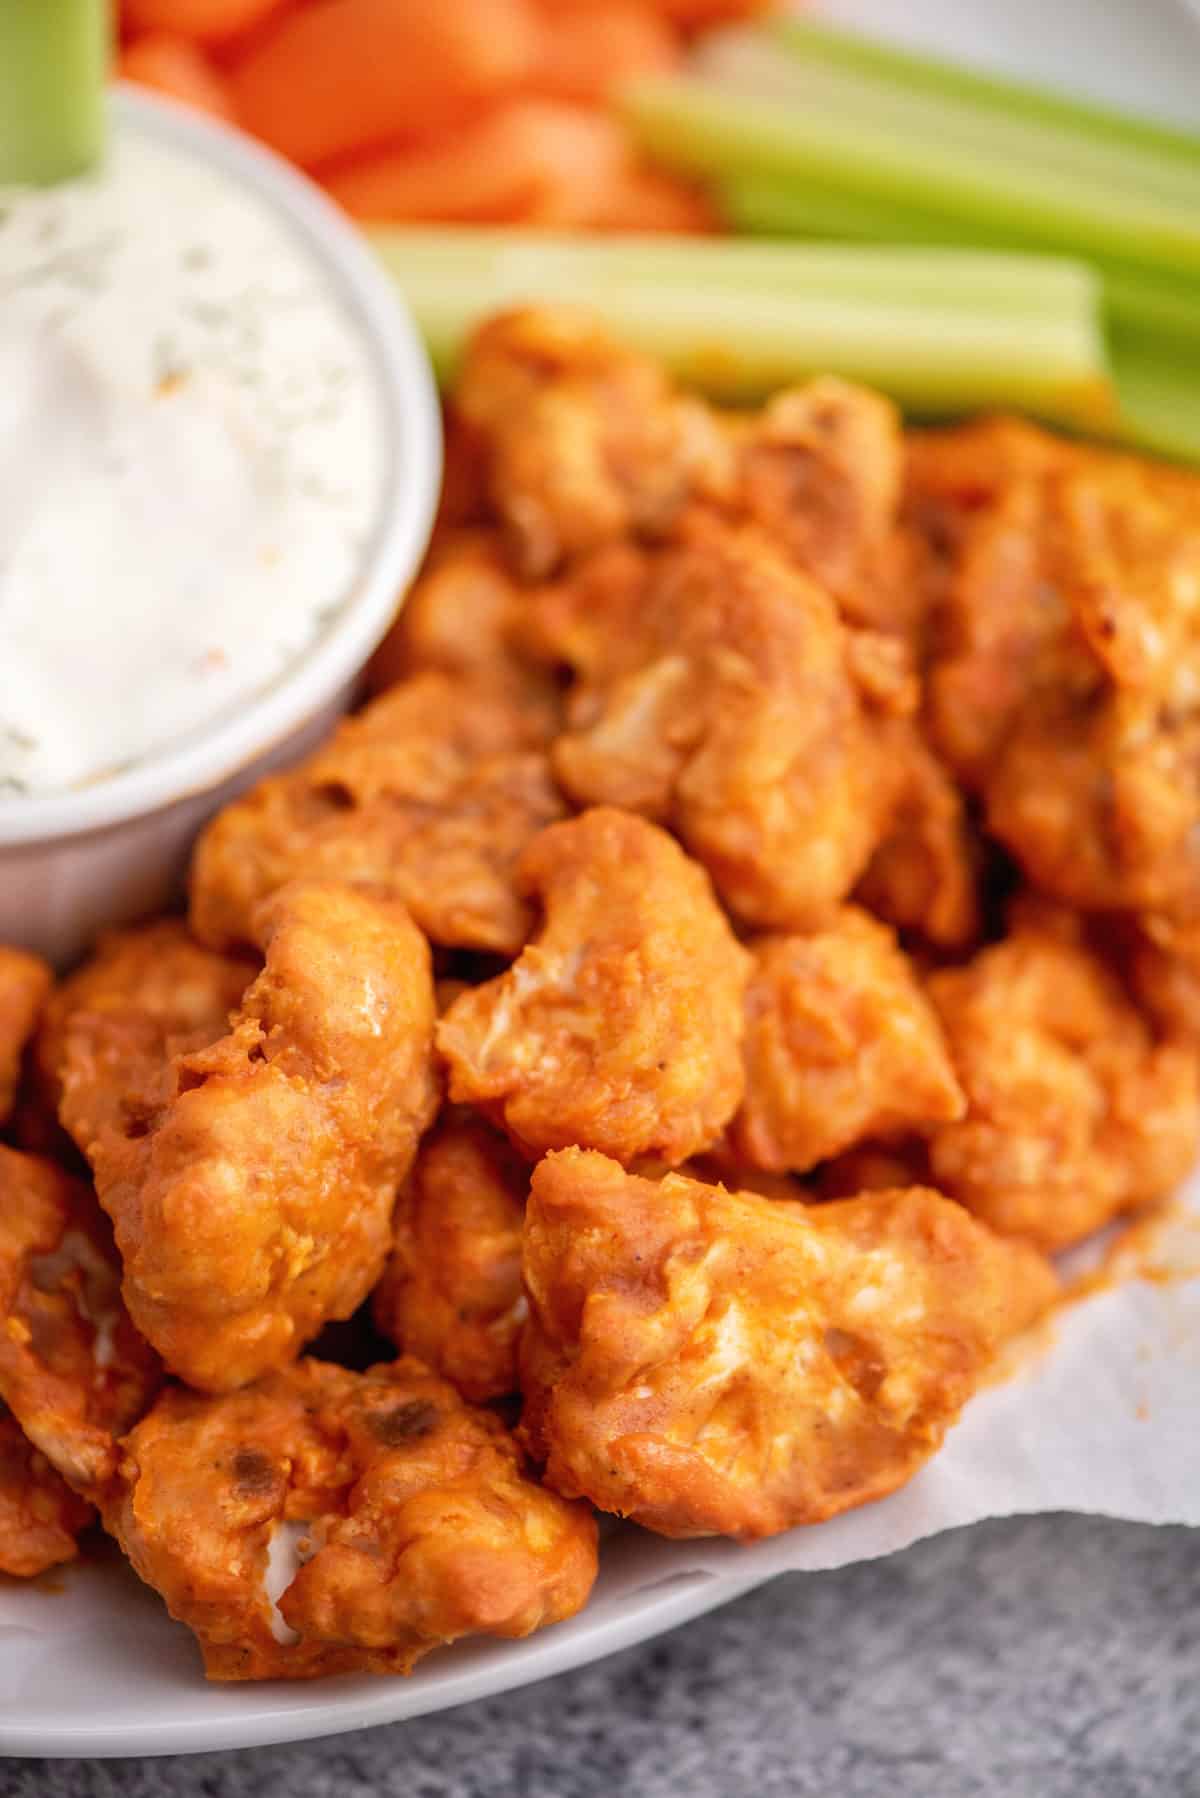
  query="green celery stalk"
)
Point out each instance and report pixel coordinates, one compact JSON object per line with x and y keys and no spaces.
{"x":774,"y":207}
{"x":53,"y":65}
{"x":941,"y":332}
{"x":1159,"y":395}
{"x":1034,"y":285}
{"x":752,"y":62}
{"x":710,"y":130}
{"x":1002,"y":95}
{"x":765,"y":205}
{"x":1162,"y":311}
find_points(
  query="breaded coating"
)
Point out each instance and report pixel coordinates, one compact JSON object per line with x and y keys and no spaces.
{"x":620,"y":1026}
{"x":40,"y":1516}
{"x":25,"y":981}
{"x":978,"y":495}
{"x":718,"y":693}
{"x":429,"y":795}
{"x":460,"y":619}
{"x":147,"y":993}
{"x":1097,"y":791}
{"x":324,"y":1521}
{"x":821,"y":470}
{"x":1076,"y":1113}
{"x":709,"y":1362}
{"x":841,"y":1044}
{"x":586,"y":443}
{"x":452,"y":1293}
{"x":1165,"y":981}
{"x":923,"y":877}
{"x":1067,"y":660}
{"x":254,"y":1201}
{"x":73,"y":1370}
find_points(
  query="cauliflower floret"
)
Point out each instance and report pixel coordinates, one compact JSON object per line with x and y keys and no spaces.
{"x":620,"y":1026}
{"x":709,"y":1362}
{"x":324,"y":1521}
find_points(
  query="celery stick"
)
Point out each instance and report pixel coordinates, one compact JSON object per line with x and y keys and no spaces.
{"x":703,"y":129}
{"x":774,"y":208}
{"x":1016,"y":282}
{"x":53,"y":63}
{"x":739,"y":320}
{"x":1159,"y":398}
{"x":1159,"y":309}
{"x":752,"y":62}
{"x":917,"y":72}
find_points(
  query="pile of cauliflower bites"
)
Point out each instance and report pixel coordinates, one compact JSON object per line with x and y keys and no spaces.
{"x":752,"y":925}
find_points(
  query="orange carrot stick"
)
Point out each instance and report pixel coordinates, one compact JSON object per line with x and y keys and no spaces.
{"x":208,"y":21}
{"x":699,"y":15}
{"x":527,"y":157}
{"x":586,"y":54}
{"x":341,"y":76}
{"x":652,"y":200}
{"x":179,"y":68}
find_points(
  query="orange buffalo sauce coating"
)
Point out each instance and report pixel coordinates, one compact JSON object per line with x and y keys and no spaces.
{"x":620,"y":1024}
{"x":253,"y":1202}
{"x":709,"y":1362}
{"x":324,"y":1521}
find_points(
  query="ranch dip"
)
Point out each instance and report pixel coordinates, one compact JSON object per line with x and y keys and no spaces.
{"x":191,"y":460}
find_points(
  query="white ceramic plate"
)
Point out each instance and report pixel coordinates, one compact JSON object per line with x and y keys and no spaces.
{"x":89,"y":1662}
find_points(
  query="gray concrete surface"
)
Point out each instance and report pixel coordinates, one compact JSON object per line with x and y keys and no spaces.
{"x":1051,"y":1657}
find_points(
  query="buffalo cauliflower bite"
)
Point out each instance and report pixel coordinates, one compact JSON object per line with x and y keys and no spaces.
{"x":841,"y":1044}
{"x":452,"y":1291}
{"x":461,"y":619}
{"x":708,"y":1362}
{"x":147,"y":993}
{"x":585,"y":443}
{"x":323,"y":1521}
{"x":1101,"y":807}
{"x":1075,"y":1113}
{"x":429,"y":795}
{"x":40,"y":1516}
{"x":1067,"y":662}
{"x":821,"y":470}
{"x":1097,"y":791}
{"x":73,"y":1370}
{"x":620,"y":1026}
{"x":253,"y":1200}
{"x":978,"y":497}
{"x":25,"y":981}
{"x":717,"y":692}
{"x":924,"y":875}
{"x":1163,"y":970}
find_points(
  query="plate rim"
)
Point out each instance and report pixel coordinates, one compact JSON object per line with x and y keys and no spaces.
{"x":376,"y":1701}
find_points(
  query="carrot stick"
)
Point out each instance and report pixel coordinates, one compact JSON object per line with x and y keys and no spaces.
{"x":341,"y":76}
{"x":700,"y":15}
{"x":585,"y":54}
{"x":179,"y":68}
{"x":208,"y":21}
{"x":689,"y":15}
{"x":528,"y":158}
{"x":652,"y":200}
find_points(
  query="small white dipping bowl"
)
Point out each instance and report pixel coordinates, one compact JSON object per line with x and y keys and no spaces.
{"x":73,"y":862}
